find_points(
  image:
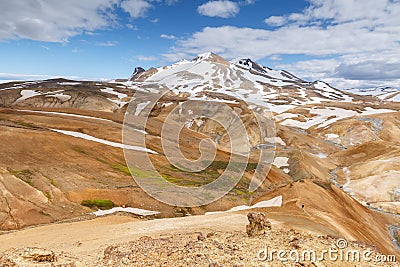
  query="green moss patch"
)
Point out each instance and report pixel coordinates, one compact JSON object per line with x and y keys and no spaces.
{"x":102,"y":204}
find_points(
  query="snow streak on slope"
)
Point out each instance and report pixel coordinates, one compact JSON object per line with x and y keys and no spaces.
{"x":105,"y":142}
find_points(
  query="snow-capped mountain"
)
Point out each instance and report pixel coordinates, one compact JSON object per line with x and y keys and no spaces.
{"x":243,"y":78}
{"x":383,"y":93}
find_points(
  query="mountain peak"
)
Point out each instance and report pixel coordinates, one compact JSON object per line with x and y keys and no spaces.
{"x":136,"y":73}
{"x":252,"y":66}
{"x":210,"y":57}
{"x":247,"y":63}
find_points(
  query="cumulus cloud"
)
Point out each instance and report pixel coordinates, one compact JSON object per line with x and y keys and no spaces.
{"x":357,"y":33}
{"x":53,"y":21}
{"x":136,"y":8}
{"x":348,"y":71}
{"x":221,"y":8}
{"x":276,"y":20}
{"x":56,"y":21}
{"x":168,"y":36}
{"x":369,"y":70}
{"x":259,"y":43}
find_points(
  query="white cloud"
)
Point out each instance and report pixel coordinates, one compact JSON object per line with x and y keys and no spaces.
{"x":249,"y":2}
{"x":275,"y":58}
{"x":168,"y":36}
{"x":146,"y":58}
{"x":132,"y":27}
{"x":27,"y":77}
{"x":356,"y":70}
{"x":53,"y":21}
{"x":57,"y":21}
{"x":359,"y":34}
{"x":221,"y":8}
{"x":171,"y":2}
{"x":276,"y":20}
{"x":369,"y":70}
{"x":136,"y":8}
{"x":311,"y":70}
{"x":107,"y":44}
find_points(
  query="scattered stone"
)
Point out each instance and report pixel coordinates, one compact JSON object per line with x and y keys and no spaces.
{"x":201,"y":237}
{"x":37,"y":257}
{"x":232,"y":248}
{"x":258,"y":225}
{"x":210,"y":234}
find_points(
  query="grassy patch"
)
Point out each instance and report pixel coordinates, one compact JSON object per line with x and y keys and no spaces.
{"x":52,"y":182}
{"x":79,"y":150}
{"x":24,"y":175}
{"x":324,"y":185}
{"x":211,"y":173}
{"x":121,"y":168}
{"x":134,"y":171}
{"x":222,"y":165}
{"x":47,"y":194}
{"x":26,"y":124}
{"x":99,"y":203}
{"x":240,"y":192}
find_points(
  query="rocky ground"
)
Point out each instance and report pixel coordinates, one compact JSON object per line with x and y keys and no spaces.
{"x":211,"y":247}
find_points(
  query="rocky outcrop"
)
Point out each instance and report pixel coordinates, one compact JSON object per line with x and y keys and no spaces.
{"x":136,"y":73}
{"x":211,"y":57}
{"x":141,"y":76}
{"x":258,"y":225}
{"x":37,"y":257}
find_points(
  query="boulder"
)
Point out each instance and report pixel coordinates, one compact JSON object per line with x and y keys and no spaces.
{"x":258,"y":224}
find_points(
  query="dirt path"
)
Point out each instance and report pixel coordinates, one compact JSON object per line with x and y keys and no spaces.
{"x":88,"y":239}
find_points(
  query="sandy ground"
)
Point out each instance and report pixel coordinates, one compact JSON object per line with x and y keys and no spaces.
{"x":88,"y":239}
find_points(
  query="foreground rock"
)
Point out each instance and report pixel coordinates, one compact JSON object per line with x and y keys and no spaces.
{"x":228,"y":249}
{"x":37,"y":257}
{"x":259,"y":225}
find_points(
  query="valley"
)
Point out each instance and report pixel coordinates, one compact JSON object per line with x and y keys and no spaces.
{"x":334,"y":155}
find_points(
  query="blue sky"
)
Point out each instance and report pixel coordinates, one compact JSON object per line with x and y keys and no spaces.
{"x":348,"y":43}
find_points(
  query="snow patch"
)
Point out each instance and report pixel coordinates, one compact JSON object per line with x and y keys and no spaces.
{"x":60,"y":96}
{"x":275,"y":140}
{"x":25,"y":94}
{"x":275,"y":202}
{"x":69,"y":83}
{"x":140,"y":107}
{"x":371,"y":111}
{"x":281,"y":162}
{"x":332,"y":136}
{"x":135,"y":211}
{"x":105,"y":142}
